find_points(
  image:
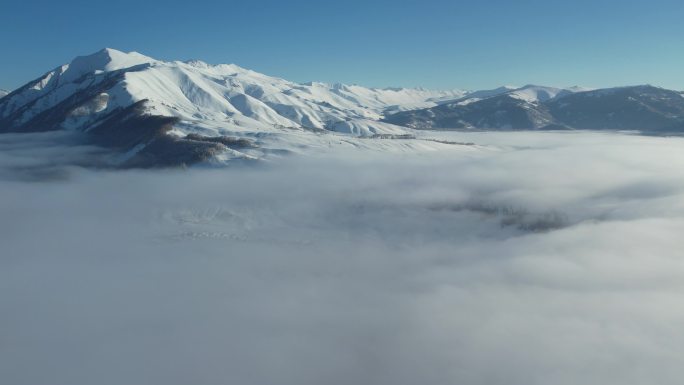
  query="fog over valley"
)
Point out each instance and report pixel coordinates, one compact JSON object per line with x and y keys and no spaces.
{"x":510,"y":257}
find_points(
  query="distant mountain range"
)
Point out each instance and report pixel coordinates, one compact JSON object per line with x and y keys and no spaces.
{"x":156,"y":113}
{"x":642,"y":108}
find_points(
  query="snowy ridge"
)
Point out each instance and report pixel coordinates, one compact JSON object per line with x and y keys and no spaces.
{"x":532,"y":94}
{"x":529,"y":93}
{"x":239,"y":98}
{"x":476,"y":96}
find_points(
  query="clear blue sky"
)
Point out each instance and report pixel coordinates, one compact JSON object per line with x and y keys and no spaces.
{"x":432,"y":43}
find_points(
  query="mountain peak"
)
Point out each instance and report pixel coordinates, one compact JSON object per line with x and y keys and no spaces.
{"x":535,"y":93}
{"x":104,"y":60}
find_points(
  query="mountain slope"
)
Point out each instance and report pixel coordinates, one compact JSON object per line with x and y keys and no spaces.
{"x":3,"y":92}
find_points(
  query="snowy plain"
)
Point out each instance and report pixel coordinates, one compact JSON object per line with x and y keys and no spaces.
{"x":522,"y":258}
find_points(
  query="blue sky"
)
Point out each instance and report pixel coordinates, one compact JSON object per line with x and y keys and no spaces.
{"x":431,"y":43}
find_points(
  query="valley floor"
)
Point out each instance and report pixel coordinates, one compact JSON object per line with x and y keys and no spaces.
{"x":451,"y":258}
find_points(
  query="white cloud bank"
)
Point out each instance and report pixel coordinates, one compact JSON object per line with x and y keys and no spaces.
{"x":539,"y":259}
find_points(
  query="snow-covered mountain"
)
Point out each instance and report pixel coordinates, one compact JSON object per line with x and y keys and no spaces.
{"x":3,"y":92}
{"x":149,"y":107}
{"x":227,"y":95}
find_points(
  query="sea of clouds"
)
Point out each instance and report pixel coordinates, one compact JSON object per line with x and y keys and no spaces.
{"x":530,"y":258}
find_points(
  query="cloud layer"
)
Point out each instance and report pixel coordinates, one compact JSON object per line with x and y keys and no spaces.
{"x":537,"y":259}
